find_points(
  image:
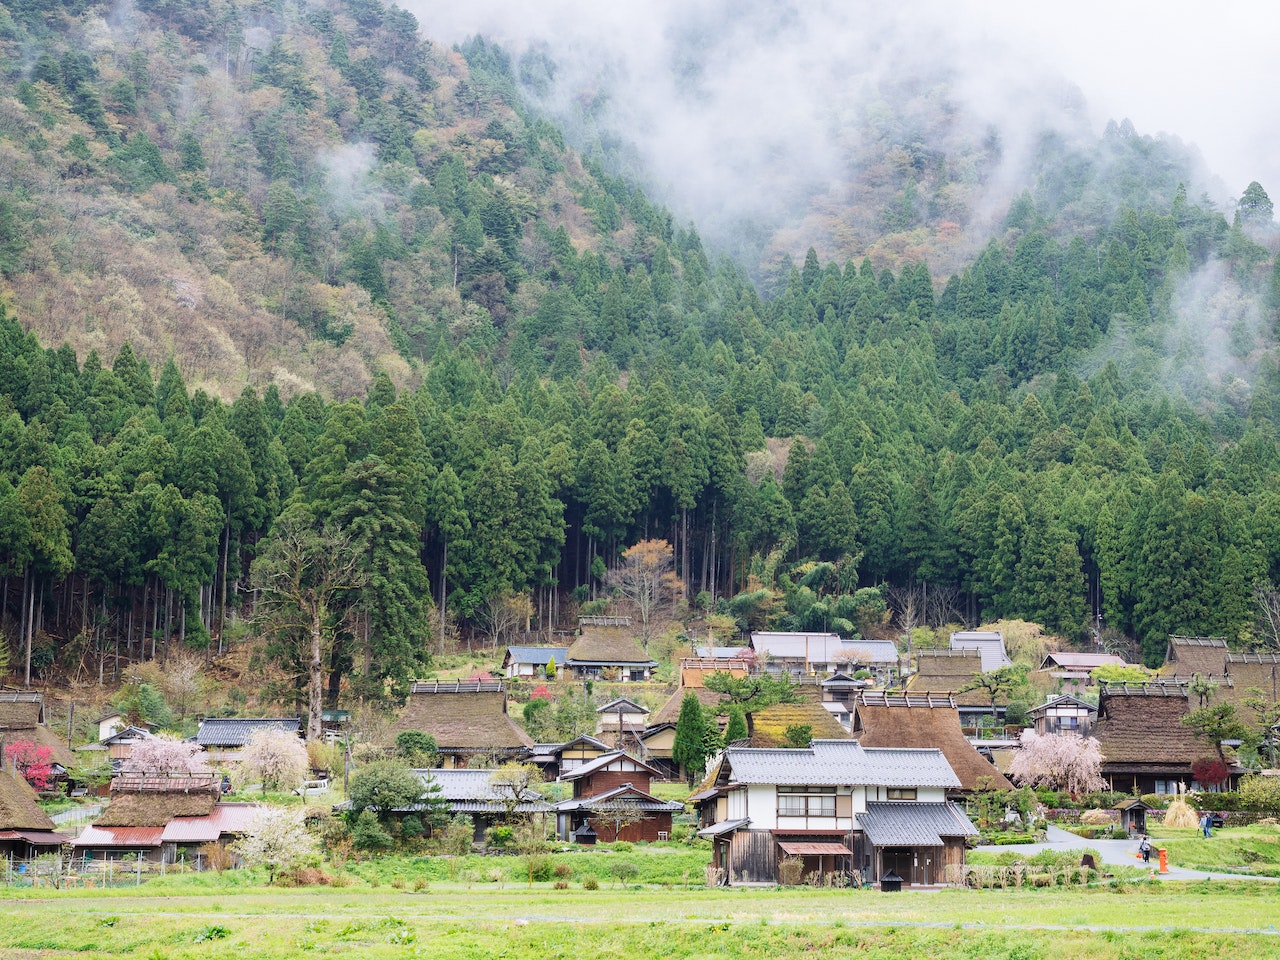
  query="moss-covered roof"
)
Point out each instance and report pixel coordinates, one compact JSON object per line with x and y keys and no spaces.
{"x":768,"y":727}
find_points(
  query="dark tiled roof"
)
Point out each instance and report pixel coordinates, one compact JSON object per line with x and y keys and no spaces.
{"x":237,"y":731}
{"x":606,"y":760}
{"x":904,"y":824}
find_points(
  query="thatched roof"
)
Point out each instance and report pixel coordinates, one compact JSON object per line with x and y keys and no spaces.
{"x":897,"y":721}
{"x":1139,"y":728}
{"x":468,"y":720}
{"x":608,"y":645}
{"x":670,"y":711}
{"x":1251,"y":674}
{"x":19,"y":714}
{"x":768,"y":727}
{"x":155,"y":809}
{"x":949,"y":671}
{"x":1187,"y":656}
{"x":18,"y":807}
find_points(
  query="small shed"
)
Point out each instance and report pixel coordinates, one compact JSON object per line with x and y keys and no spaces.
{"x":1133,"y":815}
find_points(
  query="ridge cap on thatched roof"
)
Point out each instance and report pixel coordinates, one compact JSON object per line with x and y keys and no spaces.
{"x":1153,"y":688}
{"x":928,"y":699}
{"x":1179,"y":640}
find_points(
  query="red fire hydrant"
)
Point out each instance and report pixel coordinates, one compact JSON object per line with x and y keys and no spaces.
{"x":1164,"y":860}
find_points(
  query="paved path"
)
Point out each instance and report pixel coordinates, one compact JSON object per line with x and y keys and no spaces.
{"x":1116,"y":853}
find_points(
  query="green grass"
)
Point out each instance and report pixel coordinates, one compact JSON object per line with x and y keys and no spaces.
{"x":214,"y":919}
{"x":1253,"y":849}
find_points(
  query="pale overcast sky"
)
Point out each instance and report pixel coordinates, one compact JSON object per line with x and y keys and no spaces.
{"x":1206,"y":73}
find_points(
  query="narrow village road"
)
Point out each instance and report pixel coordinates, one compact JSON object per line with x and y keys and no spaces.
{"x":1116,"y":853}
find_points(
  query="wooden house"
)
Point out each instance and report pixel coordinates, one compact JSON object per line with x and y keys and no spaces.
{"x":924,"y":722}
{"x":608,"y":649}
{"x":1064,"y":714}
{"x":807,"y":654}
{"x":837,"y":807}
{"x":469,"y":720}
{"x":532,"y":662}
{"x":621,"y":721}
{"x":473,"y":794}
{"x":141,"y":807}
{"x":223,"y":739}
{"x":611,"y":801}
{"x":25,"y":830}
{"x":1187,"y":656}
{"x":1145,"y":747}
{"x":1071,"y":669}
{"x":695,"y":670}
{"x":557,"y":758}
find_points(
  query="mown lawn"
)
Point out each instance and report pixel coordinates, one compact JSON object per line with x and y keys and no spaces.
{"x":216,"y":917}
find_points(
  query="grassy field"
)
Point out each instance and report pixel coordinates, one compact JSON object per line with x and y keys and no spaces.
{"x":222,"y":916}
{"x":1254,"y":849}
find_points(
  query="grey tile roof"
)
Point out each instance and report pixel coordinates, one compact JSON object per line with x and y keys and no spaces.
{"x":905,"y":824}
{"x":622,"y":703}
{"x":237,"y":731}
{"x":623,"y":797}
{"x":722,"y":653}
{"x":539,"y":656}
{"x":604,"y":760}
{"x":989,"y":643}
{"x":841,"y":762}
{"x":473,"y":785}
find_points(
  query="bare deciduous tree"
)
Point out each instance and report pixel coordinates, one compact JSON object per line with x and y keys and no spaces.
{"x":504,"y":612}
{"x":647,"y":578}
{"x":300,"y":574}
{"x":1267,"y":600}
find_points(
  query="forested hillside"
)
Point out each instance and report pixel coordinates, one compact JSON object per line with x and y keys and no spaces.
{"x":523,"y":366}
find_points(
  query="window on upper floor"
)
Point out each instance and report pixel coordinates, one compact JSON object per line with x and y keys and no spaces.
{"x":806,"y":801}
{"x":901,"y":793}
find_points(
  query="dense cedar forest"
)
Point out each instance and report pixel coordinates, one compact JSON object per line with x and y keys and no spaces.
{"x":387,"y":301}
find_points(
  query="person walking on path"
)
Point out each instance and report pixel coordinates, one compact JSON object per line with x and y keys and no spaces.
{"x":1205,"y":823}
{"x":1144,"y":846}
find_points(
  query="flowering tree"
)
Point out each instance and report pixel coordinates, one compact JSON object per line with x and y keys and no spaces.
{"x":32,"y":761}
{"x":277,"y":758}
{"x":277,"y":839}
{"x":163,"y":754}
{"x":1059,"y":761}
